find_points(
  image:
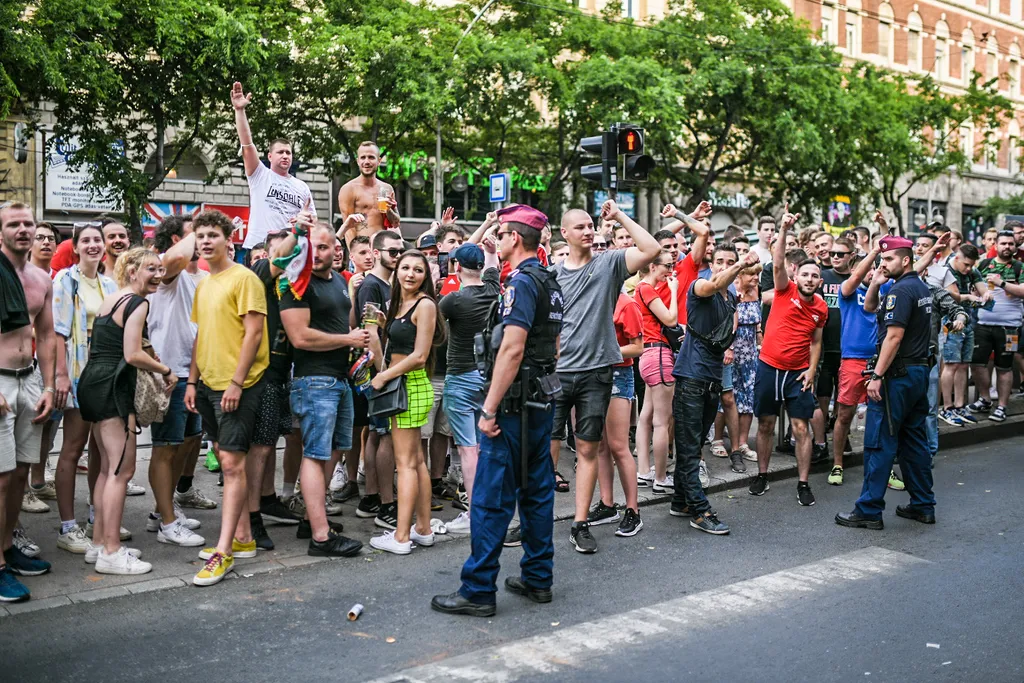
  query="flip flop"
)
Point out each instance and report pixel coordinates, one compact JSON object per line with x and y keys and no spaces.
{"x":561,"y":484}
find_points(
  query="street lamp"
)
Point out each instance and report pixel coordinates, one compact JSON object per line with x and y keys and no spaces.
{"x":438,"y":172}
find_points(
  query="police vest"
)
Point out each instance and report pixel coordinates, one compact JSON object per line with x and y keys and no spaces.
{"x":542,"y":341}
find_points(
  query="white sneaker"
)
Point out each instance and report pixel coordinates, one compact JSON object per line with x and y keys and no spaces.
{"x":339,"y":479}
{"x":749,"y":454}
{"x":420,"y":539}
{"x":193,"y":498}
{"x":25,"y":544}
{"x":387,"y":543}
{"x":645,"y":479}
{"x":666,"y":485}
{"x":48,"y":491}
{"x":718,"y":449}
{"x":331,"y":507}
{"x":93,"y":553}
{"x":125,"y":534}
{"x":74,"y":541}
{"x":136,"y":490}
{"x":703,"y":476}
{"x":122,"y":562}
{"x":154,"y":522}
{"x":29,"y":502}
{"x":178,"y":534}
{"x":459,"y":525}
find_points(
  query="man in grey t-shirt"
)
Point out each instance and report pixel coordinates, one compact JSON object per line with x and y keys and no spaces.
{"x":590,"y":287}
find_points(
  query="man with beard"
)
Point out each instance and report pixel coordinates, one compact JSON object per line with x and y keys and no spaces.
{"x":116,"y":242}
{"x":366,"y":194}
{"x":26,"y":388}
{"x":839,"y":254}
{"x":898,"y":396}
{"x":788,"y":362}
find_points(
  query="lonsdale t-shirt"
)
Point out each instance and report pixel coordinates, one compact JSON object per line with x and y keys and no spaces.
{"x":273,"y":199}
{"x":791,"y":324}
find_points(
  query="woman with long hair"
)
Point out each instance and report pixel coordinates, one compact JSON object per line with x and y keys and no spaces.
{"x":107,"y":398}
{"x":413,"y":329}
{"x":78,"y":294}
{"x":656,"y":295}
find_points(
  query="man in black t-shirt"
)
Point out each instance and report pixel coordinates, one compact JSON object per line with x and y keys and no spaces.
{"x":467,"y":313}
{"x":379,"y":457}
{"x":840,"y":254}
{"x":319,"y":327}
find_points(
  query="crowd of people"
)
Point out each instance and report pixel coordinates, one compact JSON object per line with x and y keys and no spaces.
{"x":669,"y":339}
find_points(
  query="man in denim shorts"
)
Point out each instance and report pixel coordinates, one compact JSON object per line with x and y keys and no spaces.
{"x":318,"y":328}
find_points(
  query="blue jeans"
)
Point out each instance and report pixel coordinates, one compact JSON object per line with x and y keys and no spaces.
{"x":324,"y":407}
{"x":694,"y":405}
{"x":178,"y":424}
{"x":463,"y":399}
{"x":622,"y":383}
{"x":931,"y":423}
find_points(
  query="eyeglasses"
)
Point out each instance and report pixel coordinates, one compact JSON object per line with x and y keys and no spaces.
{"x":46,"y":238}
{"x":839,"y":254}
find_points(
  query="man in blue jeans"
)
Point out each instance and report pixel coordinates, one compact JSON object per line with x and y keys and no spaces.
{"x":710,"y":314}
{"x":319,"y":328}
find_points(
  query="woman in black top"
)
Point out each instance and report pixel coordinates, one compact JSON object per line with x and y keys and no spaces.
{"x":106,"y":393}
{"x":414,"y":328}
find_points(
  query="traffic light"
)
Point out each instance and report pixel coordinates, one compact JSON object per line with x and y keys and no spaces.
{"x":602,"y":145}
{"x":635,"y":165}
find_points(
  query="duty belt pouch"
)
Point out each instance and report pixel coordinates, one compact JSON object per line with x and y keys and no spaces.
{"x":512,"y":401}
{"x":548,"y":387}
{"x":898,"y":368}
{"x":869,"y":369}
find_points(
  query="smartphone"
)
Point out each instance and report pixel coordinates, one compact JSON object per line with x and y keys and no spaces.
{"x":442,"y":264}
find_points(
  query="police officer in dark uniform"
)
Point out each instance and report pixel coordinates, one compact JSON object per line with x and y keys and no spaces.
{"x":898,"y":396}
{"x":515,"y":454}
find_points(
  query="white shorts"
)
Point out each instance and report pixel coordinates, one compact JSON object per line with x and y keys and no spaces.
{"x":437,"y":420}
{"x":19,"y":438}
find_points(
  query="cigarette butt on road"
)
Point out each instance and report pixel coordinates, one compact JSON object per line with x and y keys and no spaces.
{"x":354,"y":613}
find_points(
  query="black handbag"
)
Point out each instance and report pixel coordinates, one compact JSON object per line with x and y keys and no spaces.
{"x":388,"y":401}
{"x":673,"y":335}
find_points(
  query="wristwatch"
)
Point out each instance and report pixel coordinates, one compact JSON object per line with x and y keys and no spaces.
{"x":876,"y":376}
{"x":487,"y":415}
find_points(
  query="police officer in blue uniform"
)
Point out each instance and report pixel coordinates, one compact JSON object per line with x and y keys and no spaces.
{"x":515,"y":454}
{"x":898,"y":396}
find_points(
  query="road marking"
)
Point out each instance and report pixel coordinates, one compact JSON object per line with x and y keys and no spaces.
{"x":571,"y":647}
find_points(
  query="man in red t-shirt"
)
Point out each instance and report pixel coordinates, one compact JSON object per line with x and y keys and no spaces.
{"x":689,"y":267}
{"x":789,"y":361}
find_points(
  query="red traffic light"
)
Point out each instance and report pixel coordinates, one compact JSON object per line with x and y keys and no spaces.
{"x":631,"y":141}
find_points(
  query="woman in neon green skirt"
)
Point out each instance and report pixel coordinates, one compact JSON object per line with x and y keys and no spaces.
{"x":413,"y":330}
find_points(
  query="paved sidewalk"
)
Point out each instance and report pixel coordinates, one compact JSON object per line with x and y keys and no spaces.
{"x":72,"y":581}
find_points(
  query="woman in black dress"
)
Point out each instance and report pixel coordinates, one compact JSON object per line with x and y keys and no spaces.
{"x":106,"y":393}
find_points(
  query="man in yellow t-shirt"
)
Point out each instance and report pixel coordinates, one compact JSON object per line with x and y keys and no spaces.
{"x":225,"y":380}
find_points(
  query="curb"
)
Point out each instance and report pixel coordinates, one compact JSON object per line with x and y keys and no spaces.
{"x":982,"y":432}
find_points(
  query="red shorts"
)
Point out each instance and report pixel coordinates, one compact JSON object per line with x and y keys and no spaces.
{"x":853,"y":386}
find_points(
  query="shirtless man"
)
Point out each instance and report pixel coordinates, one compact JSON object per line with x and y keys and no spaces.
{"x":359,"y":195}
{"x":26,"y":392}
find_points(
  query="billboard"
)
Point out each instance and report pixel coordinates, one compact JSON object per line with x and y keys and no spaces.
{"x":65,"y":190}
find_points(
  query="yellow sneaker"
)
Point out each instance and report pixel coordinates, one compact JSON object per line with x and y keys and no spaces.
{"x":213,"y":572}
{"x":238,"y":549}
{"x":895,"y":483}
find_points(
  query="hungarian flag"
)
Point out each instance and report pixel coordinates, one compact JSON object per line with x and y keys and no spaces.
{"x":297,"y":267}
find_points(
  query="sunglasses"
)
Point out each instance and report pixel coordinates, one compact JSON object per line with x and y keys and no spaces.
{"x":82,"y":226}
{"x":600,"y":245}
{"x":502,"y":234}
{"x":839,"y":254}
{"x":395,"y":253}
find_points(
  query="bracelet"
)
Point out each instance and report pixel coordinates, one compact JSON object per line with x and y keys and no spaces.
{"x":192,"y":384}
{"x":876,"y":376}
{"x":487,"y":415}
{"x":165,"y":374}
{"x":47,"y":390}
{"x":237,"y":384}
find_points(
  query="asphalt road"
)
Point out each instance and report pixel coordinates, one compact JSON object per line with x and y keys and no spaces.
{"x":787,"y":596}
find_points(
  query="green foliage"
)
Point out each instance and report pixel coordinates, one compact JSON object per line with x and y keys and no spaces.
{"x":1003,"y":206}
{"x":26,"y":65}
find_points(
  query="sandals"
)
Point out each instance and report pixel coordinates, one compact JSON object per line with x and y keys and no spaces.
{"x":561,"y":483}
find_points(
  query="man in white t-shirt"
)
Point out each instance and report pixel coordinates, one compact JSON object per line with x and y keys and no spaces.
{"x":173,"y":333}
{"x":765,"y":235}
{"x":275,"y":195}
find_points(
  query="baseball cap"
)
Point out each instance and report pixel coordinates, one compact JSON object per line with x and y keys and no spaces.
{"x":469,"y":255}
{"x":426,"y":242}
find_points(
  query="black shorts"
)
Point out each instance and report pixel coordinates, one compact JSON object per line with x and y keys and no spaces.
{"x":773,"y":387}
{"x":274,"y":414}
{"x":230,"y":431}
{"x":827,"y":380}
{"x":589,"y":392}
{"x":990,"y":339}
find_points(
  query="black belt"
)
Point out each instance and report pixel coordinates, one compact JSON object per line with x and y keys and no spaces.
{"x":20,"y":372}
{"x":916,"y":361}
{"x":656,"y":345}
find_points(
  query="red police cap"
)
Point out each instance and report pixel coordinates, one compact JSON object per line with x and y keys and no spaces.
{"x":521,"y":213}
{"x":893,"y":242}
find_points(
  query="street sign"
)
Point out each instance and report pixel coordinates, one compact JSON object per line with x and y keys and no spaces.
{"x":625,"y":201}
{"x":499,"y":187}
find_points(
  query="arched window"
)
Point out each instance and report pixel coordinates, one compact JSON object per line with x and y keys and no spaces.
{"x":967,"y":55}
{"x":885,"y":32}
{"x":914,"y":47}
{"x":190,"y":167}
{"x":992,"y":58}
{"x":941,"y":67}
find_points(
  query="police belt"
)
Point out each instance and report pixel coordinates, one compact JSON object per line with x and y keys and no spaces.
{"x":916,"y":361}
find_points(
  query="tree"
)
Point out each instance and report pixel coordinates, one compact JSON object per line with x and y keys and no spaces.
{"x":26,"y":65}
{"x":1003,"y":206}
{"x":150,"y":79}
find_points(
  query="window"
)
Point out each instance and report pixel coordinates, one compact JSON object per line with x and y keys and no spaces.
{"x":967,"y":142}
{"x":914,"y":41}
{"x":852,"y":46}
{"x":992,"y":58}
{"x":885,"y":32}
{"x":190,"y":166}
{"x":1013,"y":148}
{"x":967,"y":56}
{"x":826,"y":25}
{"x":631,"y":9}
{"x":941,"y":67}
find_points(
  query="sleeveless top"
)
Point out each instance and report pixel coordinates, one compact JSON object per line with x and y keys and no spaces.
{"x":107,"y":386}
{"x":402,"y":333}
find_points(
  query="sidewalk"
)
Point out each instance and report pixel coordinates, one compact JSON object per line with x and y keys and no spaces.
{"x":73,"y":581}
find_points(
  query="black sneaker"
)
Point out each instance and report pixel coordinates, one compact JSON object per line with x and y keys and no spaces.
{"x":677,"y":510}
{"x":306,"y":531}
{"x":369,"y":506}
{"x":709,"y":523}
{"x":602,"y":514}
{"x":631,"y":523}
{"x":819,"y":453}
{"x":759,"y":485}
{"x":260,"y":535}
{"x":581,"y":538}
{"x":982,"y":405}
{"x":336,"y":545}
{"x":443,"y":491}
{"x":278,"y":512}
{"x":736,"y":458}
{"x":998,"y":414}
{"x":461,"y":501}
{"x":347,"y":492}
{"x":804,"y":495}
{"x":435,"y":504}
{"x":387,"y":518}
{"x":513,"y":537}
